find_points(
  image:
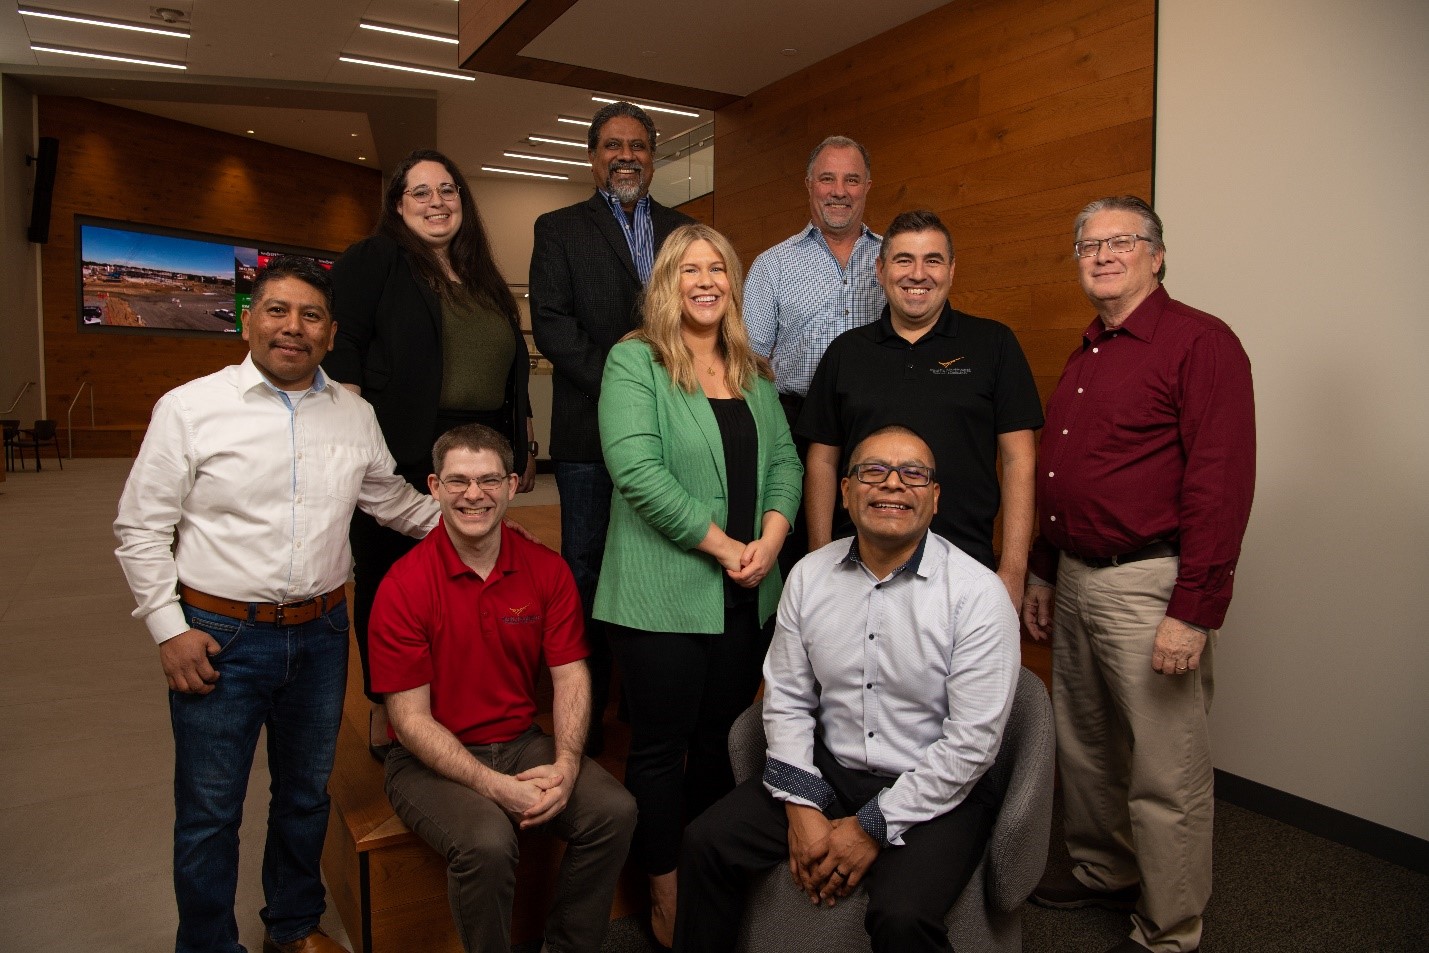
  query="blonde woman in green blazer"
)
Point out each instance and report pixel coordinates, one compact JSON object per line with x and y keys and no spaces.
{"x":707,"y":483}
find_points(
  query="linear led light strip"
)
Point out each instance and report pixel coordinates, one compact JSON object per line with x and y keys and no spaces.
{"x":534,"y":175}
{"x":101,"y":21}
{"x":535,"y":158}
{"x":406,"y":68}
{"x":114,"y":57}
{"x":404,"y":31}
{"x":650,"y":108}
{"x":551,"y":140}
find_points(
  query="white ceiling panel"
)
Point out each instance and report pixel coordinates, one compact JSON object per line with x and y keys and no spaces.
{"x":270,"y":66}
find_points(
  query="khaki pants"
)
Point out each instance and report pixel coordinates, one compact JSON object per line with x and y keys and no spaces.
{"x":1133,"y":748}
{"x":479,"y":842}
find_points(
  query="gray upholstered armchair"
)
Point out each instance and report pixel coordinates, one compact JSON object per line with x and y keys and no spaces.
{"x":988,"y":914}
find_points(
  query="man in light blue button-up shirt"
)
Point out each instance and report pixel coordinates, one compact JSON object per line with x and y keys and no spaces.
{"x":887,"y":689}
{"x":814,"y":286}
{"x":819,"y":283}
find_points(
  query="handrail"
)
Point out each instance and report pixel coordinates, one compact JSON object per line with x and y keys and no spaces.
{"x":69,"y":414}
{"x":16,"y":402}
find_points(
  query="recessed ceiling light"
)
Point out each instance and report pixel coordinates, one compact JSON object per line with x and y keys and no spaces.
{"x":101,"y":21}
{"x":534,"y":175}
{"x":552,"y":140}
{"x":362,"y":158}
{"x":406,"y":67}
{"x":650,"y":108}
{"x":574,"y":121}
{"x":250,"y":132}
{"x":536,"y":158}
{"x":113,"y":57}
{"x":405,"y":31}
{"x":353,"y":135}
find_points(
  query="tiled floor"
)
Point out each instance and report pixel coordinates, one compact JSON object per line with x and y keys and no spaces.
{"x":86,"y":808}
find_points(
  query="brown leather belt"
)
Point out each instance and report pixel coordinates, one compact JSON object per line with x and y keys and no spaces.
{"x":1154,"y":550}
{"x":271,"y":613}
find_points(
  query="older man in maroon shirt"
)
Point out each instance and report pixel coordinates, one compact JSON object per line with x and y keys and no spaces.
{"x":1144,"y":483}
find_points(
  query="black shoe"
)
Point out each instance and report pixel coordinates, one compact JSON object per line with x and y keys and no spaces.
{"x":1061,"y":890}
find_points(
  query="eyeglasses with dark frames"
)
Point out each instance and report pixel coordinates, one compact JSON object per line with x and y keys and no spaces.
{"x":1117,"y":245}
{"x":875,"y":473}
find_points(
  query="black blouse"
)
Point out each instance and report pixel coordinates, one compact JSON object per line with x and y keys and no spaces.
{"x":741,"y":466}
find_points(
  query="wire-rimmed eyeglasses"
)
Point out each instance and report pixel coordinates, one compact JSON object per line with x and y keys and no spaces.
{"x":423,"y":193}
{"x":1117,"y":245}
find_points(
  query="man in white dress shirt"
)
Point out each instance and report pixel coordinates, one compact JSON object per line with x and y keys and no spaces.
{"x":887,"y":689}
{"x":233,"y":536}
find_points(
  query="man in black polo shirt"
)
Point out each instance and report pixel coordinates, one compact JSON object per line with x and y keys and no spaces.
{"x":960,"y":381}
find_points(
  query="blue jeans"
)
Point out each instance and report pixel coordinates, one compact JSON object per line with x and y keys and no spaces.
{"x":585,"y":490}
{"x":290,"y":679}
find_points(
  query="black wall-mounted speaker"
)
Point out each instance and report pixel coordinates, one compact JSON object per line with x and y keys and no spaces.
{"x":45,"y":164}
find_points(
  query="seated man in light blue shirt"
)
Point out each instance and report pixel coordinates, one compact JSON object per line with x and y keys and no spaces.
{"x":887,"y":688}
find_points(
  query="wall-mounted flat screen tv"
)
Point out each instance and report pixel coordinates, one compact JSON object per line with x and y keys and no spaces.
{"x":143,"y":279}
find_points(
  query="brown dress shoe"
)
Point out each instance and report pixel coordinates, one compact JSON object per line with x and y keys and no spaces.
{"x":1061,"y":890}
{"x":315,"y":942}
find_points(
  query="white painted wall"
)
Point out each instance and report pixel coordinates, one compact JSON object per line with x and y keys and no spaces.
{"x":509,"y":209}
{"x":1292,"y":171}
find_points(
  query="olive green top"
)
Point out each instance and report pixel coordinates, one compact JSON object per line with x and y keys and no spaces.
{"x":478,"y":346}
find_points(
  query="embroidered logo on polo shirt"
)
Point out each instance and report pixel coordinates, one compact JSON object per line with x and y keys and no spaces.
{"x":516,"y":616}
{"x":946,"y":367}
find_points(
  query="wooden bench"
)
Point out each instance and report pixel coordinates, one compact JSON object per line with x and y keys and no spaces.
{"x":390,"y":888}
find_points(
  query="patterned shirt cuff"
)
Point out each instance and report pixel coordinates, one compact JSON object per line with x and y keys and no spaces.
{"x":871,"y":819}
{"x":799,"y":783}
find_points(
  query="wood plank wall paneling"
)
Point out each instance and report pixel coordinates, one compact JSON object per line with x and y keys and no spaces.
{"x":120,"y":164}
{"x":1003,"y":116}
{"x":700,"y":209}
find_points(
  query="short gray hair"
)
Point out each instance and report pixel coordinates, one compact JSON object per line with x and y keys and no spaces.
{"x":837,"y":142}
{"x":1150,"y":221}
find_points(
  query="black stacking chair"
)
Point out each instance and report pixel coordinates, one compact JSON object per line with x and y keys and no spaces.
{"x":43,"y":432}
{"x":12,"y":434}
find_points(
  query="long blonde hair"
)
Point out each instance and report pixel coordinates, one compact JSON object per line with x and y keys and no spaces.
{"x":664,"y":315}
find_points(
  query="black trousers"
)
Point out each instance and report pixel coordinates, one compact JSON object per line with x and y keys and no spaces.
{"x":796,"y":544}
{"x":910,"y":888}
{"x":684,"y":691}
{"x":374,"y":549}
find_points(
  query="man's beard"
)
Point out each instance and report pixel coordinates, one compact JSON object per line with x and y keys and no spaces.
{"x":627,"y":192}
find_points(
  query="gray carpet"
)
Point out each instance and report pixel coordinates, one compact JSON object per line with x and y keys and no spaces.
{"x":1277,"y":890}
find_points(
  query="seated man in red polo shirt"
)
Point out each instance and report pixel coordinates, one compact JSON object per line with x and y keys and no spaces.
{"x":459,"y":628}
